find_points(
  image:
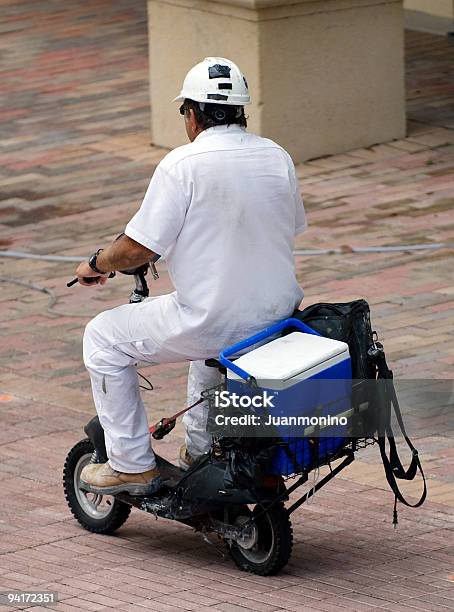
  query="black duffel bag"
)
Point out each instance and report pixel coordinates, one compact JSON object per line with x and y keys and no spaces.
{"x":373,"y":385}
{"x":348,"y":322}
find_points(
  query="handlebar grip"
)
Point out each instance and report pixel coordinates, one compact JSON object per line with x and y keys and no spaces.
{"x":87,"y":279}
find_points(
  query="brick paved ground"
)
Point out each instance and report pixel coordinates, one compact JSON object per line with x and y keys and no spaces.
{"x":75,"y":160}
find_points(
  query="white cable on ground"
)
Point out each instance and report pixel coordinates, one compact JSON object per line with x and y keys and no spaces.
{"x":22,"y":255}
{"x":345,"y":249}
{"x":52,"y":297}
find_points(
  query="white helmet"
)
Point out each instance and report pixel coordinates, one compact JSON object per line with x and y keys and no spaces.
{"x":216,"y":80}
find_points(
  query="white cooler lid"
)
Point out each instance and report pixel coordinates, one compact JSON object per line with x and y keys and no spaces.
{"x":289,"y":356}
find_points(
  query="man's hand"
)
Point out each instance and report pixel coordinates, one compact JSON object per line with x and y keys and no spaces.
{"x":124,"y":253}
{"x":84,"y":271}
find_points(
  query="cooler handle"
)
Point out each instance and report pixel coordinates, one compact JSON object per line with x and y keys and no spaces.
{"x":266,"y":333}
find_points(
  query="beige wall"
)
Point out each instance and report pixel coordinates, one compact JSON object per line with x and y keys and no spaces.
{"x":182,"y":35}
{"x":325,"y":76}
{"x":346,"y":88}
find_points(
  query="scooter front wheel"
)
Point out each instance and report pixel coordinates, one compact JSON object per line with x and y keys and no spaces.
{"x":269,"y":548}
{"x":96,"y":513}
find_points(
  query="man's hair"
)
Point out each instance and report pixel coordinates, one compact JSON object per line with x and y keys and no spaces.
{"x":215,"y":114}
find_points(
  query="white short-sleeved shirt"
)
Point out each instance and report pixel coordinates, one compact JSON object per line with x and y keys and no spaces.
{"x":223,"y":211}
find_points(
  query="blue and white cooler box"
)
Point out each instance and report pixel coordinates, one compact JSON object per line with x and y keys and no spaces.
{"x":309,"y":378}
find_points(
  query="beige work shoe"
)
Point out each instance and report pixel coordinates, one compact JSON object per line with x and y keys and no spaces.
{"x":103,"y":479}
{"x":185,"y":459}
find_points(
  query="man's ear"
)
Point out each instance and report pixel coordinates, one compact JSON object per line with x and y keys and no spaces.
{"x":193,"y":124}
{"x":192,"y":119}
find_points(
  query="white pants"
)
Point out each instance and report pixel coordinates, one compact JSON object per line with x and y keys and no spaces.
{"x":113,"y":345}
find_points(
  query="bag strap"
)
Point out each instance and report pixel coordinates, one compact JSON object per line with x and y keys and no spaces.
{"x":394,"y":470}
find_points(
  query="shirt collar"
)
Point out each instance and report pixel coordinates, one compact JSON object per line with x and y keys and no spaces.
{"x":220,"y":129}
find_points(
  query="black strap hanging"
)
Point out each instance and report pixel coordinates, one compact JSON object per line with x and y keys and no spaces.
{"x":394,"y":470}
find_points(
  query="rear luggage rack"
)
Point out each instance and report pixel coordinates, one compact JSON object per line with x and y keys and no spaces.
{"x":321,"y":451}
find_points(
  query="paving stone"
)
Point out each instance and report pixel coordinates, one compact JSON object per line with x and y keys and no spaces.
{"x":75,"y":160}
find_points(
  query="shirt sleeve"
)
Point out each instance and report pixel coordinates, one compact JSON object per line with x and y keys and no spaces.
{"x":300,"y":213}
{"x":159,"y":220}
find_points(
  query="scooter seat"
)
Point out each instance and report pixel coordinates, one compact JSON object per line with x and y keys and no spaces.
{"x":215,"y":363}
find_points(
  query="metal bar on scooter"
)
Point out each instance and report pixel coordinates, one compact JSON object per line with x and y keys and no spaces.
{"x":348,"y":459}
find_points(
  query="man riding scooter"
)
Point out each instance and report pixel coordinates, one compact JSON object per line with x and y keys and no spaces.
{"x":222,"y":211}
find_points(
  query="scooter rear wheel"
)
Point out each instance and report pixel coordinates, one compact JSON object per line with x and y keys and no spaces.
{"x":97,"y":513}
{"x":272,"y":546}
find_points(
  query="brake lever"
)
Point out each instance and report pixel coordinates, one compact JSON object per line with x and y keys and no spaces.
{"x":154,"y":272}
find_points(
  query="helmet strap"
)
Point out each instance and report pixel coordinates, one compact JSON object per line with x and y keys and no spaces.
{"x":238,"y":113}
{"x":219,"y":115}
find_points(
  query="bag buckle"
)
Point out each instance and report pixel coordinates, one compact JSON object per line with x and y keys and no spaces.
{"x":376,"y":350}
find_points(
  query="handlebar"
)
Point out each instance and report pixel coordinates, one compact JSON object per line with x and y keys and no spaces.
{"x":141,"y":290}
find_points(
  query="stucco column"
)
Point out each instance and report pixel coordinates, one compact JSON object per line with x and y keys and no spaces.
{"x":325,"y":75}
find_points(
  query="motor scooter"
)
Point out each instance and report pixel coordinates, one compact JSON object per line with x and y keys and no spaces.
{"x":248,"y":514}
